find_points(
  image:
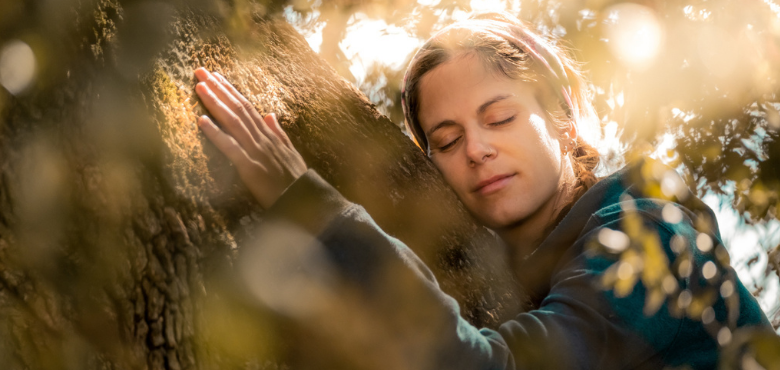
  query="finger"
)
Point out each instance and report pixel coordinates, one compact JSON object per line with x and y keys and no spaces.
{"x":241,"y":109}
{"x":224,"y":142}
{"x":201,"y":74}
{"x":232,"y":123}
{"x":256,"y":117}
{"x":274,"y":125}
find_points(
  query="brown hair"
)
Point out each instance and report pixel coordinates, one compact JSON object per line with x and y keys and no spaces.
{"x":500,"y":55}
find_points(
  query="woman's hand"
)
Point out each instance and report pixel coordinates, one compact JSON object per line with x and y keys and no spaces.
{"x":266,"y":160}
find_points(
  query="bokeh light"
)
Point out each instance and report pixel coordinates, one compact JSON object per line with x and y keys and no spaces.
{"x":17,"y":66}
{"x":635,"y":35}
{"x":614,"y":240}
{"x":287,"y":269}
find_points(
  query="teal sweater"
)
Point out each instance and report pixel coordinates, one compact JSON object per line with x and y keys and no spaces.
{"x":576,"y":323}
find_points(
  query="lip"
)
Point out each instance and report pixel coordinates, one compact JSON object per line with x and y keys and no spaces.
{"x":493,"y":184}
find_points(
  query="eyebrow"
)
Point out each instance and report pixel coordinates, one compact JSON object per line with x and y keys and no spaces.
{"x":495,"y":99}
{"x":482,"y":108}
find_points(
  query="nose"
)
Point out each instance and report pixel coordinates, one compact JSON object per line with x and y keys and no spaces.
{"x":478,"y":149}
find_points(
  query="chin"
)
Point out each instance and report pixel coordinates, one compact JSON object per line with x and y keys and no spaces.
{"x":501,"y":217}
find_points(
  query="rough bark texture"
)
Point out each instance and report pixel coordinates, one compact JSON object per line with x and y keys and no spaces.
{"x":118,"y":219}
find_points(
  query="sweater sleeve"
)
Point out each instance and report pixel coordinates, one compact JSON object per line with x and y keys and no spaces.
{"x":402,"y":314}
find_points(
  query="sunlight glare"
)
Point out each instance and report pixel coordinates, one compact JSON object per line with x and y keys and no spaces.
{"x":487,"y":5}
{"x":666,"y":144}
{"x":712,"y":41}
{"x":459,"y":15}
{"x":609,"y":144}
{"x":635,"y":34}
{"x":369,"y":41}
{"x":773,"y":7}
{"x":307,"y":25}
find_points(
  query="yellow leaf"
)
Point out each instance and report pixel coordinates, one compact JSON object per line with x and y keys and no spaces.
{"x":655,"y":298}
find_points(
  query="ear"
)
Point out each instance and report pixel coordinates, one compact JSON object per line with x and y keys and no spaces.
{"x":568,"y":137}
{"x":572,"y":130}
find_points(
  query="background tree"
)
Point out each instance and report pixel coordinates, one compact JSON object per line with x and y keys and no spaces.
{"x":120,"y":223}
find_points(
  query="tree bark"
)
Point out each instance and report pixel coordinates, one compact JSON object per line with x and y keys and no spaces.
{"x":120,"y":222}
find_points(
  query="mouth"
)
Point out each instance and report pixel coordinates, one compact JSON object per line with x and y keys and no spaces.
{"x":493,"y":184}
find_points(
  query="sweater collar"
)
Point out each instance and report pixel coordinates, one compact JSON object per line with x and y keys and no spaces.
{"x":536,"y":271}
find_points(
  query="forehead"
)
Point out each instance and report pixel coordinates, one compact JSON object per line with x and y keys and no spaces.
{"x":462,"y":70}
{"x":456,"y":89}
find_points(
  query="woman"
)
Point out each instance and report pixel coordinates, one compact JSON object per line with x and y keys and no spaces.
{"x":499,"y":112}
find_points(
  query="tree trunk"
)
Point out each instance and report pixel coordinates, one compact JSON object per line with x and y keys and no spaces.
{"x":119,"y":221}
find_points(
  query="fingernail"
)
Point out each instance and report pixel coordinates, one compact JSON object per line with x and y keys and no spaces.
{"x":203,"y":120}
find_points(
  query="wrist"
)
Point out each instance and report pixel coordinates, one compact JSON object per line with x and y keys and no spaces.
{"x":309,"y":202}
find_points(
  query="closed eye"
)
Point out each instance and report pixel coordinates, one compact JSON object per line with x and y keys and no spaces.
{"x":510,"y":119}
{"x":450,"y":144}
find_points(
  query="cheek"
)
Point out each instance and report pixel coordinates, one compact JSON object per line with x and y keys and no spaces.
{"x":549,"y":146}
{"x":454,"y":175}
{"x":542,"y":130}
{"x":447,"y":170}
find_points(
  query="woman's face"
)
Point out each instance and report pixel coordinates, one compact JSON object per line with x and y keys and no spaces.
{"x":490,"y":138}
